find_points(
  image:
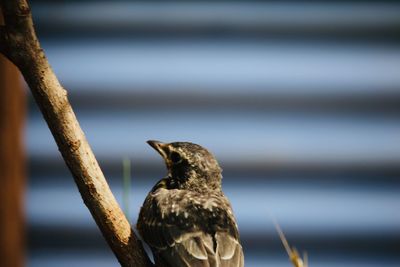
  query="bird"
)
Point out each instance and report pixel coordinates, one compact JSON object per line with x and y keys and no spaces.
{"x":186,"y":219}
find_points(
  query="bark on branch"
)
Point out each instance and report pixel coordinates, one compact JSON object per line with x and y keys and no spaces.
{"x":18,"y":42}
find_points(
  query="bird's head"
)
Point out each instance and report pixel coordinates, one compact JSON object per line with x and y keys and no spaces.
{"x":190,"y":166}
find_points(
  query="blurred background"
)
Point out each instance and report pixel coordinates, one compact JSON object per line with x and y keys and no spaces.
{"x":299,"y":101}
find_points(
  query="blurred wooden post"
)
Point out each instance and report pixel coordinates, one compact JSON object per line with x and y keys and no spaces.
{"x":12,"y":166}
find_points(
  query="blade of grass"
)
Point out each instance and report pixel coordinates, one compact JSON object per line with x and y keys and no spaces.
{"x":305,"y":258}
{"x":292,"y":252}
{"x":126,"y":166}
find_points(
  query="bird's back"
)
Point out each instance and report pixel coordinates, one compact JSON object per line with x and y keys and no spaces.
{"x":186,"y":228}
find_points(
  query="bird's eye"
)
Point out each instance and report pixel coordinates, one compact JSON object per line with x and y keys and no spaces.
{"x":175,"y":157}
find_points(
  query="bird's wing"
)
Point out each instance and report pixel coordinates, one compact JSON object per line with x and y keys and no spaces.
{"x":181,"y":238}
{"x":198,"y":250}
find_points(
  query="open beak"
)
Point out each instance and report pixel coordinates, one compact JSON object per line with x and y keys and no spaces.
{"x":159,"y":147}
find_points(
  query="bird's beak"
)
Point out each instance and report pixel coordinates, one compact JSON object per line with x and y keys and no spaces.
{"x":159,"y":147}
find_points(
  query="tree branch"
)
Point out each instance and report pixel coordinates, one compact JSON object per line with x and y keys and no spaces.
{"x":20,"y":45}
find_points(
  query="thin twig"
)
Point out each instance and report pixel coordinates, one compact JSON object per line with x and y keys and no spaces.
{"x":23,"y":49}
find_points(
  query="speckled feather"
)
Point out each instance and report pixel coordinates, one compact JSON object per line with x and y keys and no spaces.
{"x":186,"y":219}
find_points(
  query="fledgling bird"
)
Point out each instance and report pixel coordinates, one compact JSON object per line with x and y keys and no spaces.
{"x":186,"y":219}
